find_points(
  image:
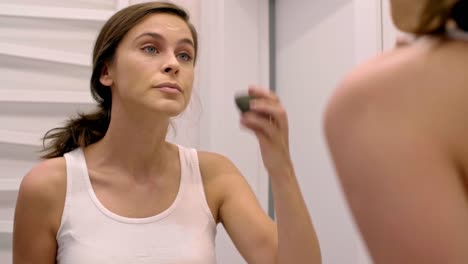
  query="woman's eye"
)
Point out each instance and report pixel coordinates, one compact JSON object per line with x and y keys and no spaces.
{"x":150,"y":49}
{"x":185,"y":56}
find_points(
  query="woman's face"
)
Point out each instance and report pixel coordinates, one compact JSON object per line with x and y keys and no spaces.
{"x":154,"y":66}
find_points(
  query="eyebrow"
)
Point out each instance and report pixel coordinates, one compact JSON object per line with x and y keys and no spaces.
{"x":160,"y":37}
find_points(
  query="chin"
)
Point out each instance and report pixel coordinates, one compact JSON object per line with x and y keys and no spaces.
{"x":170,"y":109}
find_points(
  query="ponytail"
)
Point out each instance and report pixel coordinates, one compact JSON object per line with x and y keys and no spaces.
{"x":460,"y":14}
{"x":78,"y":132}
{"x":437,"y":14}
{"x":434,"y":18}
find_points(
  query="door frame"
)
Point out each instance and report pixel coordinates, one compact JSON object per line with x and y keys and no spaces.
{"x":368,"y":28}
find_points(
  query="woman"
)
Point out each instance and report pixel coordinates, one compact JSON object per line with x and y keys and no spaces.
{"x":397,"y":127}
{"x":112,"y":190}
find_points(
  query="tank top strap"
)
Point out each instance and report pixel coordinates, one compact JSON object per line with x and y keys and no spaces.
{"x":190,"y":161}
{"x":75,"y":169}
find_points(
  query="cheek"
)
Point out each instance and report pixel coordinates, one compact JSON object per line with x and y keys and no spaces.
{"x":190,"y":74}
{"x":188,"y":80}
{"x":133,"y":73}
{"x":187,"y":77}
{"x":191,"y":78}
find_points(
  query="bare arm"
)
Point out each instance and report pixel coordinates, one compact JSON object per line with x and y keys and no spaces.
{"x":251,"y":230}
{"x":298,"y":242}
{"x":401,"y":180}
{"x":254,"y":234}
{"x":293,"y":239}
{"x":37,"y":214}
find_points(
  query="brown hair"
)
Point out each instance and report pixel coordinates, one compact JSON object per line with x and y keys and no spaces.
{"x":437,"y":14}
{"x":90,"y":128}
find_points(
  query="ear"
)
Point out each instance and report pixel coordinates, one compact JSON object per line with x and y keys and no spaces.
{"x":106,"y":76}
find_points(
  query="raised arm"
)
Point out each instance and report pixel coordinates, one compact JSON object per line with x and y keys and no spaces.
{"x":293,"y":239}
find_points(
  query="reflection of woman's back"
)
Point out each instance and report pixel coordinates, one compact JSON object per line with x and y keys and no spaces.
{"x":397,"y":129}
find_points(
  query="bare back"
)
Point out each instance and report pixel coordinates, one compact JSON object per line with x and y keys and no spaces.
{"x":427,"y":84}
{"x":397,"y":129}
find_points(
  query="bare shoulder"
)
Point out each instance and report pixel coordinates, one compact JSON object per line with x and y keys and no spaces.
{"x":219,"y":169}
{"x":46,"y":179}
{"x":221,"y":179}
{"x":38,"y":212}
{"x":219,"y":172}
{"x":427,"y":59}
{"x":213,"y":164}
{"x":369,"y":89}
{"x":420,"y":85}
{"x":370,"y":79}
{"x":413,"y":94}
{"x":423,"y":82}
{"x":43,"y":189}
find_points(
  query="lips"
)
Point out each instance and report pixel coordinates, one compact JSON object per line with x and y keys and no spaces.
{"x":168,"y":86}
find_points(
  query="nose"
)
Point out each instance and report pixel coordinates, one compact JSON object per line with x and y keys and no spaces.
{"x":171,"y":66}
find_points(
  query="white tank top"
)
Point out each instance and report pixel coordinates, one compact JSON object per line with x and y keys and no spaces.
{"x":89,"y":233}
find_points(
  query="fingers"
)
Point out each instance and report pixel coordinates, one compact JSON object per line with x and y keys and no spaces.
{"x":262,"y":93}
{"x":261,"y":125}
{"x":266,"y":117}
{"x":267,"y":104}
{"x":271,"y":110}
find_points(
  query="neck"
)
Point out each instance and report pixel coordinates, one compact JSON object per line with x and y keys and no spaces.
{"x":134,"y":144}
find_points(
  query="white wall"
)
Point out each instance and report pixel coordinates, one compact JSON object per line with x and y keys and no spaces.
{"x":318,"y":42}
{"x":389,"y":31}
{"x":44,"y":69}
{"x":235,"y":54}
